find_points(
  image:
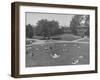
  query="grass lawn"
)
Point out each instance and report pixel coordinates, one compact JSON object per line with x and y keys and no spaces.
{"x":68,"y":52}
{"x":68,"y":37}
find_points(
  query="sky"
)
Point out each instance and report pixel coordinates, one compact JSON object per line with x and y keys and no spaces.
{"x":63,"y":19}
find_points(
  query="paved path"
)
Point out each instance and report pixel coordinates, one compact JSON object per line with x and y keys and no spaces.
{"x":56,"y":41}
{"x":78,"y":39}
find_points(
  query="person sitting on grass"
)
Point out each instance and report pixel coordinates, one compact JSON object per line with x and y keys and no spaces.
{"x":53,"y":52}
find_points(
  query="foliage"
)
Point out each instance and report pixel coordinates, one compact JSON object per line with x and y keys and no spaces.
{"x":47,"y":28}
{"x":79,"y":21}
{"x":29,"y":31}
{"x":74,"y":23}
{"x":87,"y":24}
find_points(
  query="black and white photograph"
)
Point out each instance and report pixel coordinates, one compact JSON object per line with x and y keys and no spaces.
{"x":57,"y":39}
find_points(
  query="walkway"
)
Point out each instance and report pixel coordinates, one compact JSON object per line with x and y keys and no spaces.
{"x":56,"y":41}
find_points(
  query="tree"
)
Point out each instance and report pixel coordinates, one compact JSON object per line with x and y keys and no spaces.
{"x":79,"y":21}
{"x":46,"y":28}
{"x":87,"y":24}
{"x":75,"y":23}
{"x":29,"y":31}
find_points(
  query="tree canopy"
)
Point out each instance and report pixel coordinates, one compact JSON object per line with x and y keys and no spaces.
{"x":78,"y":21}
{"x":74,"y":23}
{"x":47,"y":28}
{"x":29,"y":31}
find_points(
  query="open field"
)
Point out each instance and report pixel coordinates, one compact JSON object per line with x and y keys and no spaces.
{"x":71,"y":50}
{"x":40,"y":54}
